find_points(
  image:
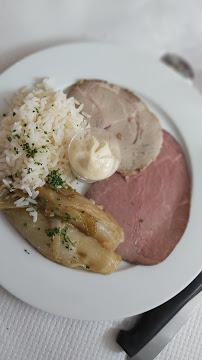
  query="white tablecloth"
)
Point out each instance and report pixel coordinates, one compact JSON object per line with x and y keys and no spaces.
{"x":155,"y":26}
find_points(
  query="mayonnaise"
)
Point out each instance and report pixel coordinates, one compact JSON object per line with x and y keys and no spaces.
{"x":93,"y":157}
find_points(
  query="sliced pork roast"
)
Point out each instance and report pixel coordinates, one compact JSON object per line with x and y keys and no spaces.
{"x":137,"y":129}
{"x":152,"y":207}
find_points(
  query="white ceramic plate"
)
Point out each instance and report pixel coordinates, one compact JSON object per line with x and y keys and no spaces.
{"x":131,"y":289}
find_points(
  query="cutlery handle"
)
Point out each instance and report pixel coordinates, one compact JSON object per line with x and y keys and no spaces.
{"x":151,"y":322}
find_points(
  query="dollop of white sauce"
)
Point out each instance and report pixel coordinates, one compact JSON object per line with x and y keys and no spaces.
{"x":92,"y":158}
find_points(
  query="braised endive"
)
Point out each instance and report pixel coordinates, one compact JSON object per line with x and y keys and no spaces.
{"x":70,"y":229}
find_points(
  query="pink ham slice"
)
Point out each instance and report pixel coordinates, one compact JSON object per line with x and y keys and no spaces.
{"x":152,"y":207}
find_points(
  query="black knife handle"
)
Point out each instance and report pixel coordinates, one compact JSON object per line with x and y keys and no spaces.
{"x":151,"y":322}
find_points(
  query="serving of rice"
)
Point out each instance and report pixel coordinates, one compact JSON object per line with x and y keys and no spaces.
{"x":34,"y":138}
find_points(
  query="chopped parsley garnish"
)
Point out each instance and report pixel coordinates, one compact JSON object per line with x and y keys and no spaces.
{"x":37,"y":110}
{"x":9,"y":139}
{"x":66,"y":238}
{"x":87,"y":267}
{"x":45,"y":132}
{"x":141,"y":220}
{"x":45,"y":202}
{"x":25,"y":225}
{"x":39,"y":228}
{"x":38,"y":163}
{"x":48,"y":244}
{"x":57,"y":208}
{"x":16,"y":150}
{"x":4,"y":115}
{"x":16,"y":175}
{"x":14,"y":130}
{"x":54,"y":179}
{"x":26,"y":251}
{"x":58,"y":198}
{"x":52,"y":232}
{"x":47,"y":141}
{"x":14,"y":113}
{"x":29,"y":170}
{"x":16,"y":136}
{"x":67,"y":217}
{"x":27,"y":148}
{"x":43,"y":146}
{"x":10,"y":176}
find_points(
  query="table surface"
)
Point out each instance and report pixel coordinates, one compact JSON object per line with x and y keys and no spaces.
{"x":154,"y":26}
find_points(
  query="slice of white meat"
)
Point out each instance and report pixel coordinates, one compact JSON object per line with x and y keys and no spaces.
{"x":137,"y":129}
